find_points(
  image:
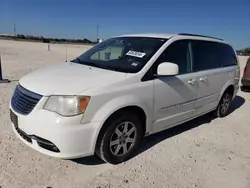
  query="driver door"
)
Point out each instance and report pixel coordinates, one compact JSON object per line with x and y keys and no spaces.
{"x":174,"y":96}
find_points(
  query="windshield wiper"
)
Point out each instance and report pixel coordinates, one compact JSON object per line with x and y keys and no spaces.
{"x":76,"y":59}
{"x":93,"y":64}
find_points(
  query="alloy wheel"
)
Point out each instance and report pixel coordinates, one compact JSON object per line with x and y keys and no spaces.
{"x":123,"y":138}
{"x":225,"y":103}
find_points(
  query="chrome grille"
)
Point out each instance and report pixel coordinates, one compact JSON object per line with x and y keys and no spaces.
{"x":23,"y":101}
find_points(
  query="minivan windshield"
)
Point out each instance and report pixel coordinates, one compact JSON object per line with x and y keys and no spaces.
{"x":123,"y":54}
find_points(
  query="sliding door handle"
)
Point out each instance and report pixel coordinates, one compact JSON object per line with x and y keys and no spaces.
{"x":192,"y":81}
{"x":204,"y":79}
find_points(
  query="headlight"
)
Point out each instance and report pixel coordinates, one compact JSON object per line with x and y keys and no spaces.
{"x":67,"y":105}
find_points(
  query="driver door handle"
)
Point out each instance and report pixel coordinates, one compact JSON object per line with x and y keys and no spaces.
{"x":192,"y":81}
{"x":203,"y":79}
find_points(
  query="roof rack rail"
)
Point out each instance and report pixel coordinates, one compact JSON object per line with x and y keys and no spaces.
{"x":188,"y":34}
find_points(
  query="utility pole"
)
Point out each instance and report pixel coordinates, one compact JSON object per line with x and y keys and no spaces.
{"x":97,"y":32}
{"x":14,"y":28}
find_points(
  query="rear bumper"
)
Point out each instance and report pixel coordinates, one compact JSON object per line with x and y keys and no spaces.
{"x":236,"y":89}
{"x":245,"y":82}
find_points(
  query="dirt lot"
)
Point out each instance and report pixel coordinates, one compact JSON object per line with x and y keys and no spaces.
{"x":207,"y":152}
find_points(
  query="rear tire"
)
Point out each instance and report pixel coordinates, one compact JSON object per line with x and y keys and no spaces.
{"x":224,"y":105}
{"x":120,"y":138}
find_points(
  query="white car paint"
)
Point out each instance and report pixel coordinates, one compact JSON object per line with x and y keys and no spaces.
{"x":209,"y":91}
{"x":166,"y":101}
{"x":174,"y":100}
{"x":85,"y":77}
{"x":168,"y":68}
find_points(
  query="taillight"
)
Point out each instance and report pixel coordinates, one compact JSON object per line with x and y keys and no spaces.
{"x":245,"y":70}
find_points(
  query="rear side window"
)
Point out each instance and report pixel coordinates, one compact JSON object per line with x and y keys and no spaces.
{"x":205,"y":55}
{"x":227,"y":55}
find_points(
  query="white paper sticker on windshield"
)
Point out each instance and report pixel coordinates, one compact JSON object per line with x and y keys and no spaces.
{"x":134,"y":64}
{"x":136,"y":54}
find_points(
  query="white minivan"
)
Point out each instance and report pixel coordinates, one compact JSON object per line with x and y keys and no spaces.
{"x":107,"y":99}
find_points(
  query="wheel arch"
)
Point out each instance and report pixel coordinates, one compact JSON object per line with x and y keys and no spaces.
{"x":131,"y":108}
{"x":227,"y":87}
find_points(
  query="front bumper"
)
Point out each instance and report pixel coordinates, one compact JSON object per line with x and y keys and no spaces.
{"x":72,"y":138}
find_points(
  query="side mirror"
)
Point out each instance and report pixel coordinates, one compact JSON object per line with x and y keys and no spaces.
{"x":167,"y":69}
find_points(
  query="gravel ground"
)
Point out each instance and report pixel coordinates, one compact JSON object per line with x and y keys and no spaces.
{"x":205,"y":152}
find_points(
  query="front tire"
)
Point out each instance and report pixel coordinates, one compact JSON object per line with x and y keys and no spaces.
{"x":224,"y":105}
{"x":120,"y":138}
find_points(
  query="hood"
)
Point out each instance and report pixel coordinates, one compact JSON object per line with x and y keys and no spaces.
{"x":68,"y":79}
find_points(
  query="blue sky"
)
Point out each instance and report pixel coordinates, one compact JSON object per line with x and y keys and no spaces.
{"x":228,"y":19}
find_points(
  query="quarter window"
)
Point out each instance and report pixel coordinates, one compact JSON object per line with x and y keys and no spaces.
{"x":228,"y":57}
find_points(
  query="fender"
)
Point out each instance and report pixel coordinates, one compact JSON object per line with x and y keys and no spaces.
{"x":118,"y":103}
{"x":226,"y":85}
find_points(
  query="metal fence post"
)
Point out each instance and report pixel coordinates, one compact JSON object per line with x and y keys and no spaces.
{"x":1,"y":75}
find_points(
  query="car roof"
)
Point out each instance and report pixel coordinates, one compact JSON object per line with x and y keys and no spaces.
{"x":153,"y":35}
{"x":168,"y":36}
